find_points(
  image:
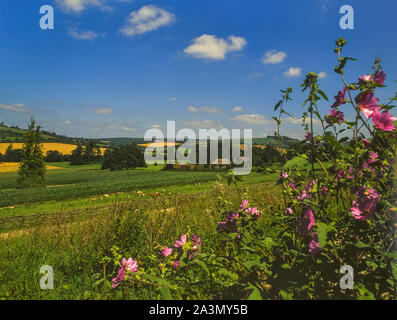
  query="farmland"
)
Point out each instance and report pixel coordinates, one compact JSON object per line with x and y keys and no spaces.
{"x":63,"y":148}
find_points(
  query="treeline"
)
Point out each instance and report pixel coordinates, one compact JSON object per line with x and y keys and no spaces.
{"x":129,"y":156}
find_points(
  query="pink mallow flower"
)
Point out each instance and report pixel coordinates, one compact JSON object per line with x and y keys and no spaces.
{"x":365,"y":206}
{"x":366,"y":143}
{"x":307,"y":222}
{"x":368,"y":104}
{"x":383,"y":121}
{"x":339,"y":98}
{"x":176,"y":264}
{"x":244,"y":204}
{"x":314,"y":245}
{"x":196,"y":241}
{"x":379,"y":77}
{"x":364,"y":78}
{"x":179,"y":243}
{"x":335,"y":116}
{"x":130,"y":265}
{"x":289,"y":211}
{"x":254,"y":212}
{"x":166,"y":251}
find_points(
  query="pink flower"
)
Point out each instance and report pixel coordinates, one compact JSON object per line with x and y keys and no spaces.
{"x":196,"y":240}
{"x":130,"y":265}
{"x":119,"y":278}
{"x":308,"y":135}
{"x":324,"y":191}
{"x":379,"y":77}
{"x":335,"y":116}
{"x":307,"y":222}
{"x":364,"y":78}
{"x":181,"y":242}
{"x":368,"y":104}
{"x":284,"y":175}
{"x":383,"y":121}
{"x":289,"y":211}
{"x":365,"y":207}
{"x":366,"y":143}
{"x":314,"y":245}
{"x":244,"y":204}
{"x":304,"y":195}
{"x":166,"y":251}
{"x":176,"y":264}
{"x":254,"y":212}
{"x":292,"y":185}
{"x":341,"y":174}
{"x":373,"y":156}
{"x":339,"y":98}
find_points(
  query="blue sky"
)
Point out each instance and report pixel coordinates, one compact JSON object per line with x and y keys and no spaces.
{"x":113,"y":68}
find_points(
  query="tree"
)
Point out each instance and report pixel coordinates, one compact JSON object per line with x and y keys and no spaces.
{"x":32,"y":169}
{"x":54,"y":156}
{"x":128,"y":156}
{"x":77,"y":155}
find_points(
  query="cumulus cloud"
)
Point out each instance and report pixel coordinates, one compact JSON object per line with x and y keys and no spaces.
{"x":214,"y":109}
{"x":274,"y":57}
{"x":322,"y":75}
{"x":173,"y":99}
{"x":15,"y":107}
{"x":77,"y":6}
{"x":85,"y":34}
{"x":237,"y":109}
{"x":102,"y":110}
{"x":252,"y":118}
{"x":146,"y":19}
{"x":293,"y":72}
{"x":298,"y":121}
{"x":210,"y":47}
{"x":204,"y":124}
{"x":68,"y":122}
{"x":127,"y":129}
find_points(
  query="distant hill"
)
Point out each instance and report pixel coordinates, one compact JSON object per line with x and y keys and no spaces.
{"x":15,"y":134}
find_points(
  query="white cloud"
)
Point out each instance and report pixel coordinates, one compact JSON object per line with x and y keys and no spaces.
{"x":214,"y":109}
{"x":15,"y":107}
{"x":103,"y":110}
{"x":237,"y":109}
{"x":85,"y":35}
{"x":252,"y":118}
{"x":293,"y":72}
{"x":298,"y":120}
{"x":68,"y":122}
{"x":147,"y":18}
{"x":209,"y":47}
{"x":127,"y":129}
{"x":78,"y":6}
{"x":274,"y":57}
{"x":205,"y":124}
{"x":156,"y":126}
{"x":322,"y":75}
{"x":173,"y":99}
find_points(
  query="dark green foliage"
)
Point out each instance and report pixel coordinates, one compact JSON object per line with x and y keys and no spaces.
{"x":86,"y":155}
{"x":32,"y":169}
{"x":128,"y":156}
{"x":54,"y":156}
{"x":12,"y":155}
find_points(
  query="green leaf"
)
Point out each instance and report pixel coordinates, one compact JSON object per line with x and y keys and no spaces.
{"x":360,"y":244}
{"x":322,"y":230}
{"x":203,"y":266}
{"x":255,"y":294}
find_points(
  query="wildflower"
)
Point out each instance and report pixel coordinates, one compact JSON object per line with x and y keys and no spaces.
{"x":292,"y":185}
{"x":308,"y":135}
{"x":383,"y":121}
{"x":366,"y":143}
{"x":181,"y":242}
{"x":130,"y":265}
{"x":365,"y":206}
{"x":335,"y":116}
{"x":289,"y":211}
{"x":324,"y":191}
{"x":341,"y":174}
{"x":244,"y":204}
{"x":196,"y":241}
{"x":304,"y":195}
{"x":379,"y":77}
{"x":373,"y":156}
{"x":368,"y":104}
{"x":176,"y":264}
{"x":339,"y":98}
{"x":284,"y":175}
{"x":314,"y":245}
{"x":254,"y":212}
{"x":307,"y":222}
{"x":166,"y":251}
{"x":364,"y":78}
{"x":309,"y":186}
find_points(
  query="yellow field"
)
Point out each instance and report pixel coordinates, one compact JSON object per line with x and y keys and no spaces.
{"x":159,"y":144}
{"x":63,"y":148}
{"x":13,"y":167}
